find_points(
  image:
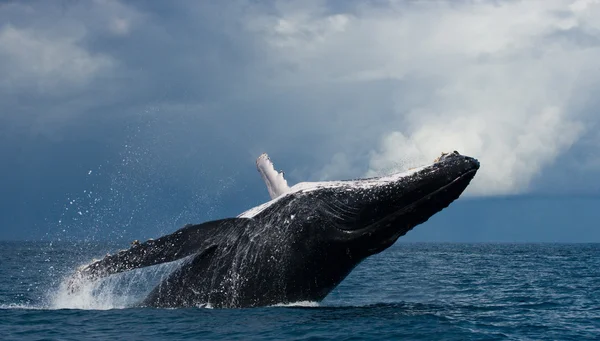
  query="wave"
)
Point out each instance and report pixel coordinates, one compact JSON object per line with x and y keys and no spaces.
{"x":303,"y":304}
{"x":21,"y":306}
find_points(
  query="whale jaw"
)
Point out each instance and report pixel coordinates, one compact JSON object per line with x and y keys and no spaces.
{"x":378,"y":215}
{"x":385,"y":232}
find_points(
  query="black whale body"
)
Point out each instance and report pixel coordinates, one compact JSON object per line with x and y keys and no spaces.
{"x":298,"y":247}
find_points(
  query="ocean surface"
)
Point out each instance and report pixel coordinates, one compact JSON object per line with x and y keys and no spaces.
{"x":412,"y":291}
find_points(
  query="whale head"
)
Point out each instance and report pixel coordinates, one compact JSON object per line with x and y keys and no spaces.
{"x":371,"y":214}
{"x":365,"y":216}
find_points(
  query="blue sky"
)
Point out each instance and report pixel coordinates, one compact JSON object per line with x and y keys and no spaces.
{"x":129,"y":119}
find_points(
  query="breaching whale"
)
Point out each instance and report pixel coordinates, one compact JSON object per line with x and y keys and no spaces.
{"x":296,"y":247}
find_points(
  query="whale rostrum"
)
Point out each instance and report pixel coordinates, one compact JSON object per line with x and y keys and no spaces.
{"x":296,"y":247}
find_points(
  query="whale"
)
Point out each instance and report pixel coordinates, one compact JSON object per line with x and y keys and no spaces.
{"x":296,"y":247}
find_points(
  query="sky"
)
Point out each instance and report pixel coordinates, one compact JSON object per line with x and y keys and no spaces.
{"x":129,"y":119}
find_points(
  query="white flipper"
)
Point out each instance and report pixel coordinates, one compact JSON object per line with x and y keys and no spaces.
{"x":276,"y":184}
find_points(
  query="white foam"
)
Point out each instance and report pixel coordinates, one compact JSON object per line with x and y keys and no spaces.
{"x":118,"y":291}
{"x":205,"y":306}
{"x":309,"y":304}
{"x":20,"y":306}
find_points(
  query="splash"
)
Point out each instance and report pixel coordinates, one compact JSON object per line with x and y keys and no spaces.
{"x":20,"y":306}
{"x":121,"y":196}
{"x":305,"y":304}
{"x":119,"y":291}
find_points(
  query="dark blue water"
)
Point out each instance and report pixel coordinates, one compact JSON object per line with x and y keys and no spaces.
{"x":410,"y":291}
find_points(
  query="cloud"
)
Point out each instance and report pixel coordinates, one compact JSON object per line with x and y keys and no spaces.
{"x":53,"y":75}
{"x":48,"y":50}
{"x":170,"y":102}
{"x":46,"y":65}
{"x":502,"y":81}
{"x":330,"y":91}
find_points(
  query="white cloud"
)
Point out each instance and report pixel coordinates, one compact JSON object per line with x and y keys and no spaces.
{"x":118,"y":17}
{"x":119,"y":26}
{"x":43,"y":64}
{"x":501,"y":82}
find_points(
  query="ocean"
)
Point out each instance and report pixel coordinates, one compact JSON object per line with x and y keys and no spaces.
{"x":411,"y":291}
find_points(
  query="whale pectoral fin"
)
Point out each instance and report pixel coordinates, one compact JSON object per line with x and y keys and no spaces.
{"x":181,"y":243}
{"x":276,"y":183}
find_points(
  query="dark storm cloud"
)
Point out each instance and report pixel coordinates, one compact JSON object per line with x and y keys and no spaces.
{"x":168,"y":103}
